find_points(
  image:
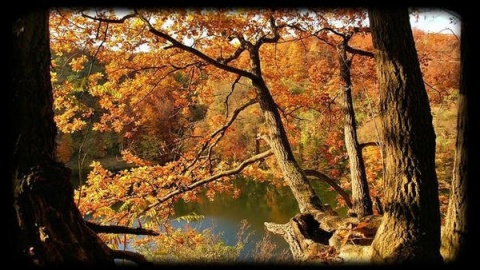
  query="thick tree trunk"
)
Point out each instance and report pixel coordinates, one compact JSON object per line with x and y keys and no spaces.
{"x":306,"y":197}
{"x":50,"y":228}
{"x":410,"y":230}
{"x":456,"y":230}
{"x":362,"y":203}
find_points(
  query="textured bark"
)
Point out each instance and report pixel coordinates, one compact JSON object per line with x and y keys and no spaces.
{"x":456,"y":230}
{"x":303,"y":235}
{"x":294,"y":176}
{"x":362,"y":203}
{"x":309,"y":234}
{"x":50,"y":228}
{"x":410,"y":230}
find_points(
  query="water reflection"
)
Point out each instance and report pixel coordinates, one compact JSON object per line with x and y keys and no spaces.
{"x":257,"y":203}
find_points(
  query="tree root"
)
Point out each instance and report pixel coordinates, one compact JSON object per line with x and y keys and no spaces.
{"x":317,"y":236}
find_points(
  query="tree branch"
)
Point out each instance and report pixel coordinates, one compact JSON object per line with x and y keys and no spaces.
{"x":332,"y":31}
{"x":328,"y":42}
{"x":119,"y":229}
{"x":229,"y":94}
{"x":220,"y":131}
{"x":131,"y":256}
{"x":276,"y":35}
{"x":205,"y":181}
{"x":332,"y":183}
{"x":358,"y":51}
{"x":433,"y":88}
{"x":234,"y":56}
{"x":367,"y":144}
{"x":121,"y":20}
{"x":175,"y":69}
{"x":222,"y":64}
{"x":196,"y":52}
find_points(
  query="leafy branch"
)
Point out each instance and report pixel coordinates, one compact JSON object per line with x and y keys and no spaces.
{"x":205,"y":181}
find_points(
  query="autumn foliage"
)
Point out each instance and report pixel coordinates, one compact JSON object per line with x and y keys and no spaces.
{"x":178,"y":120}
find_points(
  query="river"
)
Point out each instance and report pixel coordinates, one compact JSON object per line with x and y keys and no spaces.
{"x":258,"y":202}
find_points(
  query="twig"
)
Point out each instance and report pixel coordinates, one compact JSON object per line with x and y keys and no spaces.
{"x":115,"y":229}
{"x":221,"y":131}
{"x":230,"y":93}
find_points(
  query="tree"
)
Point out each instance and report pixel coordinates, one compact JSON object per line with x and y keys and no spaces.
{"x":338,"y":38}
{"x":410,"y":229}
{"x":456,"y":231}
{"x":249,"y":49}
{"x":362,"y":203}
{"x":50,"y":228}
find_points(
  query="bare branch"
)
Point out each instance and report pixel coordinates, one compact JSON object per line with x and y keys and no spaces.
{"x":230,"y":93}
{"x":119,"y":229}
{"x":175,"y":69}
{"x":276,"y":35}
{"x":220,"y":131}
{"x":328,"y":42}
{"x":346,"y":38}
{"x":433,"y":88}
{"x":358,"y":51}
{"x":325,"y":178}
{"x":293,"y":26}
{"x":107,"y":20}
{"x":332,"y":31}
{"x":205,"y":181}
{"x":131,"y":256}
{"x":290,"y":114}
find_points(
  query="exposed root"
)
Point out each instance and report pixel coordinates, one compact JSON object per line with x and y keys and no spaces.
{"x":319,"y":237}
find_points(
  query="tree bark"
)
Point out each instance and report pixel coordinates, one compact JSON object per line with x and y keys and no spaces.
{"x":50,"y":228}
{"x":456,"y":230}
{"x":294,"y":176}
{"x":410,"y":230}
{"x":362,"y":203}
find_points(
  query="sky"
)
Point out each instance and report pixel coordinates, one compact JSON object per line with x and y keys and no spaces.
{"x":432,"y":20}
{"x":436,"y":21}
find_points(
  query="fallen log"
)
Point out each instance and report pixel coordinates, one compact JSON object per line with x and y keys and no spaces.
{"x":318,"y":236}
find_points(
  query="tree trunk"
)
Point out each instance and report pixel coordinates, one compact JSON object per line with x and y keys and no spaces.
{"x":50,"y":228}
{"x":455,"y":233}
{"x":306,"y":197}
{"x":410,"y":230}
{"x":362,"y":203}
